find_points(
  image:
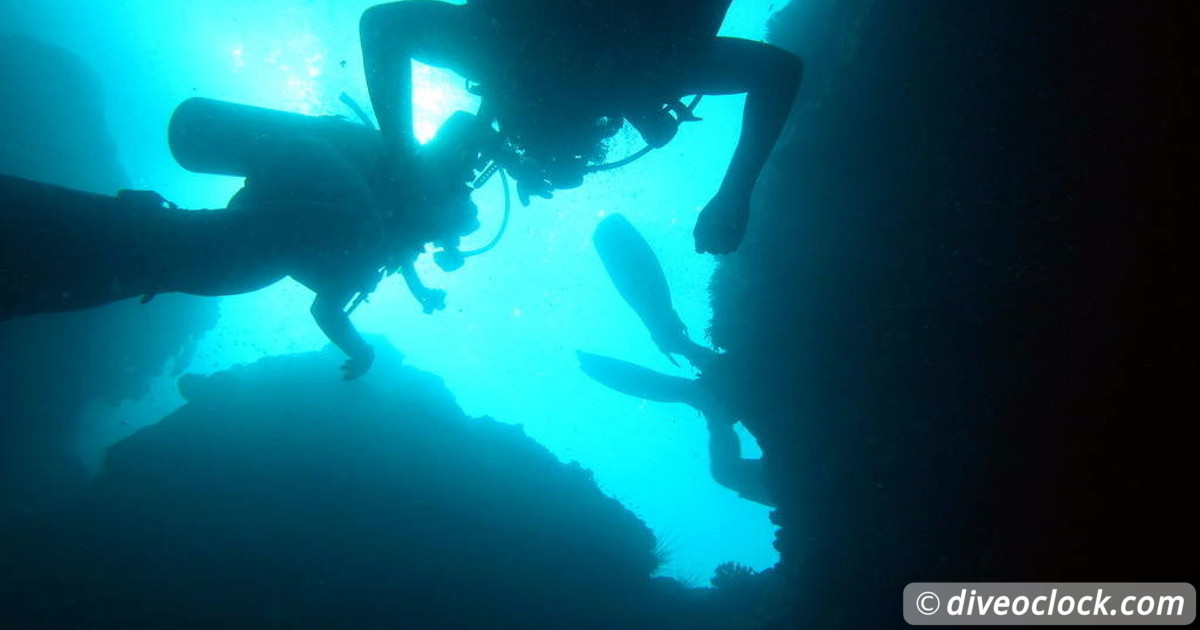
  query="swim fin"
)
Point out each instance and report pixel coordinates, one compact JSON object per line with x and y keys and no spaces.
{"x":639,"y":278}
{"x":635,"y":380}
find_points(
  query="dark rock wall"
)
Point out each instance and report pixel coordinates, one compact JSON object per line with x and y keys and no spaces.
{"x":52,"y":129}
{"x":282,"y":497}
{"x":963,"y":302}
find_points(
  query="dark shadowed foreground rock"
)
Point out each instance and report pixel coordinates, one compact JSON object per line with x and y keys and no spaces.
{"x":53,"y":129}
{"x":280,"y":496}
{"x":963,"y":306}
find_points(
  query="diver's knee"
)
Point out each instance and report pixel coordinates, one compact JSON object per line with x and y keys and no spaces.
{"x":385,"y":24}
{"x":373,"y":19}
{"x":780,"y":69}
{"x":743,"y":476}
{"x":793,"y":65}
{"x":725,"y":473}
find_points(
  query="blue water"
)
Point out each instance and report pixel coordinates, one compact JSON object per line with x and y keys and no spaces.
{"x":505,"y":345}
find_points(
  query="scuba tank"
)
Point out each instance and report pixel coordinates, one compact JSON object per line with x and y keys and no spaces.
{"x":223,"y":138}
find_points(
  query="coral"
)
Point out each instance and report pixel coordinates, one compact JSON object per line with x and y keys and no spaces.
{"x":279,"y":495}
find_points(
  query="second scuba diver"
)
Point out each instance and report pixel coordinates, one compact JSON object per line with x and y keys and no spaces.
{"x":558,"y":77}
{"x":639,"y":278}
{"x":309,"y":209}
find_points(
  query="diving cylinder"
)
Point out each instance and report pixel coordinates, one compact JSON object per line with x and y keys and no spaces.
{"x":223,"y":138}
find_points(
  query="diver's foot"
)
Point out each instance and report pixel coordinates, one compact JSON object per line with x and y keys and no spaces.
{"x":699,"y":356}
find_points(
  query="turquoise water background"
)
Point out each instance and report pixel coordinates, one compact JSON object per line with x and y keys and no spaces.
{"x":505,"y":344}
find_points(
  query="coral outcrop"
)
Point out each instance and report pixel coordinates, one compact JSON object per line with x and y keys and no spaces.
{"x":280,"y":496}
{"x":960,"y":301}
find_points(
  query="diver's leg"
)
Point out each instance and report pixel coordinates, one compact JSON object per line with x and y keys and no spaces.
{"x":66,"y":250}
{"x":729,"y":468}
{"x":638,"y":381}
{"x":215,"y":253}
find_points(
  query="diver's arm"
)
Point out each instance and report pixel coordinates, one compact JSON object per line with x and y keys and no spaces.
{"x":328,"y":310}
{"x":392,"y":35}
{"x":770,"y":78}
{"x":386,"y":34}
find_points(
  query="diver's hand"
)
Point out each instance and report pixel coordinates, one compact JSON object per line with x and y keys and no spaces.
{"x":432,"y":300}
{"x":531,"y":180}
{"x":358,"y":365}
{"x":722,"y":224}
{"x":529,"y":188}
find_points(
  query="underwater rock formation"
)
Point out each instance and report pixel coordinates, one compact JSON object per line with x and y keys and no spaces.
{"x":961,"y":299}
{"x":53,"y":119}
{"x":281,"y":497}
{"x":53,"y":129}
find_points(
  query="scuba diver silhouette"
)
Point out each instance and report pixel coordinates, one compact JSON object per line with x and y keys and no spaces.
{"x":639,"y":278}
{"x":309,"y":209}
{"x":558,"y":77}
